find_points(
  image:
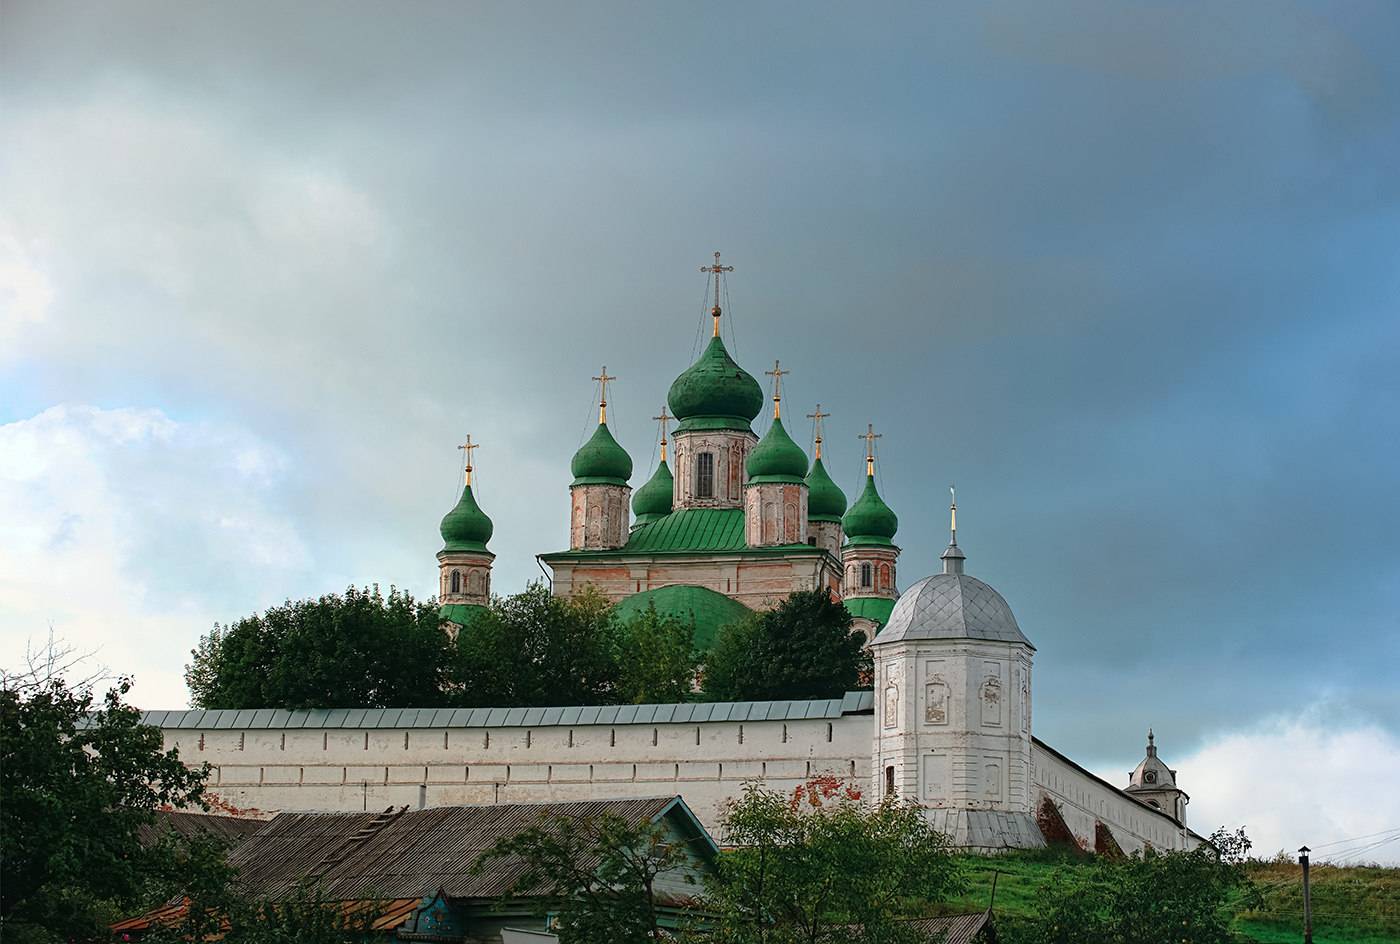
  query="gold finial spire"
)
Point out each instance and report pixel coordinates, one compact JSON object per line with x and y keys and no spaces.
{"x":603,"y":382}
{"x":663,"y":419}
{"x":953,"y":516}
{"x":467,"y":448}
{"x":716,"y":269}
{"x":816,"y":419}
{"x":870,"y":436}
{"x":777,"y":374}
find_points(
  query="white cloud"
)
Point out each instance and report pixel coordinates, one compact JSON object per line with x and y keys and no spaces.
{"x":1307,"y":779}
{"x":25,"y":290}
{"x":130,"y":533}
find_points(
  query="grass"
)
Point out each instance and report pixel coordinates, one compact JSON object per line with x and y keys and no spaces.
{"x":1353,"y":905}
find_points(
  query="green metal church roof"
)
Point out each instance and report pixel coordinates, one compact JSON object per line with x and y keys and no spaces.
{"x":825,"y":500}
{"x":702,"y":609}
{"x":466,"y":527}
{"x":871,"y":608}
{"x":653,"y":500}
{"x":601,"y":460}
{"x":460,"y":613}
{"x":715,"y":393}
{"x":776,"y":458}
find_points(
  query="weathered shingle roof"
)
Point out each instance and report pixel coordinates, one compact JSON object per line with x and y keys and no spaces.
{"x":400,"y":854}
{"x":232,"y":828}
{"x":398,"y":718}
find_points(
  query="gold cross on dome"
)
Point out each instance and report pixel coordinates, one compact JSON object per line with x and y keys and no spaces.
{"x":467,"y":448}
{"x":777,"y":374}
{"x":603,"y":382}
{"x":663,"y":419}
{"x":716,"y":269}
{"x":816,"y":419}
{"x":870,"y":436}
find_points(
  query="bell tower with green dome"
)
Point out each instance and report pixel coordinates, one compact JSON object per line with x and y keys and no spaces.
{"x":826,"y":503}
{"x":464,"y":563}
{"x":775,"y":495}
{"x":599,"y":493}
{"x":716,"y":402}
{"x":869,"y":556}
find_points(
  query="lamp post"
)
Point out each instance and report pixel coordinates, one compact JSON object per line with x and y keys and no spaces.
{"x":1307,"y":896}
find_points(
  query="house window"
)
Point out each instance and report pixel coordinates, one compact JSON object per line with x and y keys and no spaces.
{"x":865,"y":575}
{"x":889,"y":781}
{"x":705,"y":475}
{"x":456,"y":581}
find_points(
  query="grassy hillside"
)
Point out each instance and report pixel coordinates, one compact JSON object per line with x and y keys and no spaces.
{"x":1350,"y":905}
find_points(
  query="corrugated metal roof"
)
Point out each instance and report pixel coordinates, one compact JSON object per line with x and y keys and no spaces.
{"x":692,"y":529}
{"x":396,"y":855}
{"x":399,"y":718}
{"x":953,"y":929}
{"x":232,"y":828}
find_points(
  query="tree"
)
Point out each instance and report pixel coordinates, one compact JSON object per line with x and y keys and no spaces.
{"x":804,"y":648}
{"x":599,"y":874}
{"x":361,"y":649}
{"x":1189,"y":895}
{"x":656,"y":658}
{"x":79,"y":779}
{"x":819,"y":865}
{"x":536,"y":649}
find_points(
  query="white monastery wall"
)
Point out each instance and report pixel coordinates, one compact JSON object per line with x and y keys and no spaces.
{"x":269,"y":761}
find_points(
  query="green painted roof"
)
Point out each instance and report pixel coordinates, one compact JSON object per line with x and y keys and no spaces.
{"x":460,"y":613}
{"x":776,"y":458}
{"x":715,"y":393}
{"x":601,"y":461}
{"x":466,"y":527}
{"x":692,"y":529}
{"x":825,"y":500}
{"x":870,"y":520}
{"x":871,"y":608}
{"x":700,"y":608}
{"x":653,"y":500}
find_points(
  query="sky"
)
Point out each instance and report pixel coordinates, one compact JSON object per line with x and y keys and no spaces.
{"x":1126,"y":273}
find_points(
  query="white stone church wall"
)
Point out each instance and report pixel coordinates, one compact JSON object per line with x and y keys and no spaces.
{"x":708,"y":763}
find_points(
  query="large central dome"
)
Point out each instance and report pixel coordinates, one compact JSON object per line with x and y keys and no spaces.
{"x":715,"y":393}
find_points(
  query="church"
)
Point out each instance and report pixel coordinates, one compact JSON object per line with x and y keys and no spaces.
{"x":741,"y":523}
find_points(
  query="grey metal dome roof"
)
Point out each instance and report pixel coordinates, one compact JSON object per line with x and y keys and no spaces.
{"x":951,"y":606}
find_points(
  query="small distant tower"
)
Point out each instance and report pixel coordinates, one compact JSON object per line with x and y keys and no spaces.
{"x":464,"y":563}
{"x":775,"y":494}
{"x":826,"y":503}
{"x":600,"y":492}
{"x":1154,"y":783}
{"x":870,"y":555}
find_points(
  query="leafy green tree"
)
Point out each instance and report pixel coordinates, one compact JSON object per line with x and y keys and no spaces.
{"x":80,"y":777}
{"x":536,"y":649}
{"x":599,"y":875}
{"x":804,"y":648}
{"x":360,"y":648}
{"x":820,"y":865}
{"x":656,"y":659}
{"x":1187,"y":896}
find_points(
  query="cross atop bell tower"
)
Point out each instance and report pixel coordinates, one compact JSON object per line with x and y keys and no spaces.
{"x":717,"y":270}
{"x":777,"y":374}
{"x":816,"y":419}
{"x":603,"y":382}
{"x":870,"y":436}
{"x":467,"y":448}
{"x":665,"y":420}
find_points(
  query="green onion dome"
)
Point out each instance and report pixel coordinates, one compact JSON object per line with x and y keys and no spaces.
{"x":466,"y":527}
{"x":653,"y":500}
{"x":601,"y":461}
{"x":715,"y":393}
{"x":776,"y":458}
{"x":870,"y":520}
{"x":825,"y":500}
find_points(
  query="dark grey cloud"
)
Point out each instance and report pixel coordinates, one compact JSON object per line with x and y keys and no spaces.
{"x":1126,"y":273}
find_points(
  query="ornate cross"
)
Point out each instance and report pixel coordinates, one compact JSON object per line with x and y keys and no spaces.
{"x":603,"y":382}
{"x":870,"y":436}
{"x":716,"y":269}
{"x":663,"y":419}
{"x":816,"y":419}
{"x":777,"y":374}
{"x":467,"y":448}
{"x":953,"y":514}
